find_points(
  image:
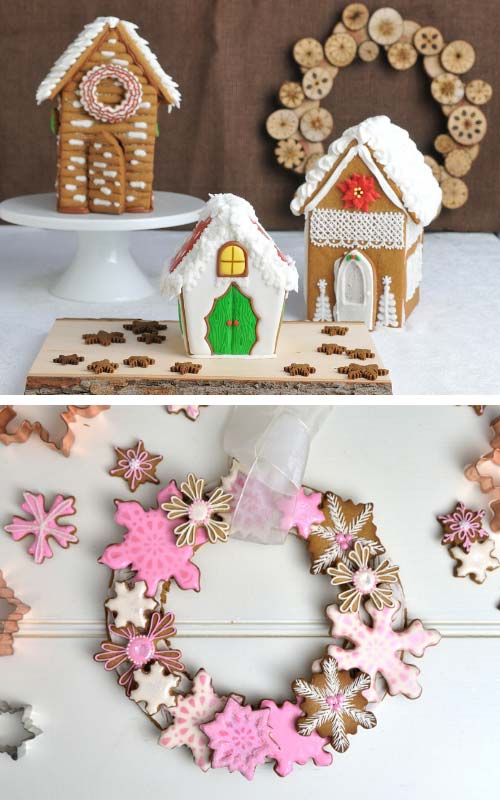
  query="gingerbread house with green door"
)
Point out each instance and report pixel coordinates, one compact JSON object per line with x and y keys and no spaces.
{"x":231,"y":282}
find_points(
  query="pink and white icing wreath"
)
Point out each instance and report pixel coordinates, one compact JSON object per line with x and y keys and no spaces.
{"x":219,"y":728}
{"x":102,"y":111}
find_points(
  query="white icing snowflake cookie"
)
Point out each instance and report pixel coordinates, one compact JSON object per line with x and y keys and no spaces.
{"x":155,"y":688}
{"x":130,"y":604}
{"x":475,"y":564}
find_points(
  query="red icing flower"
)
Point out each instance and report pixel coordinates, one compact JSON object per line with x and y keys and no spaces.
{"x":359,"y":192}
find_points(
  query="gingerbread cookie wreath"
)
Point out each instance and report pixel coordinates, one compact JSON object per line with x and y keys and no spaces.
{"x":330,"y":704}
{"x":301,"y":125}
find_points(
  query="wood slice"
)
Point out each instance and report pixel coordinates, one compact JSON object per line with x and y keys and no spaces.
{"x":355,"y":16}
{"x":433,"y":66}
{"x":458,"y":57}
{"x":428,"y":41}
{"x":311,"y":162}
{"x":455,"y":193}
{"x":444,"y":143}
{"x":291,"y":94}
{"x":305,"y":107}
{"x":290,"y":153}
{"x":317,"y":83}
{"x":282,"y":124}
{"x":358,"y":36}
{"x":473,"y":151}
{"x":402,"y":55}
{"x":308,"y":52}
{"x":433,"y":164}
{"x":467,"y":125}
{"x":447,"y":89}
{"x":410,"y":27}
{"x":448,"y":108}
{"x":368,"y":51}
{"x":458,"y":162}
{"x":316,"y":125}
{"x":340,"y":49}
{"x":478,"y":92}
{"x":385,"y":26}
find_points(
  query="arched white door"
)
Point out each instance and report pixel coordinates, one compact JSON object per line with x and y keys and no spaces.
{"x":353,"y":282}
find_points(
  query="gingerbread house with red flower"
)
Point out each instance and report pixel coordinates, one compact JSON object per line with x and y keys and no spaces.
{"x":366,"y":203}
{"x":107,"y":86}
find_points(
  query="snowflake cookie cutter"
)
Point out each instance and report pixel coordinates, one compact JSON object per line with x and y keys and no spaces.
{"x":10,"y":625}
{"x":23,"y":431}
{"x":222,"y":730}
{"x":15,"y":750}
{"x":486,"y":473}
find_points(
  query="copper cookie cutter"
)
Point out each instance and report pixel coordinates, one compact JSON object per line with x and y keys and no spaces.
{"x":18,"y":749}
{"x":10,"y":625}
{"x":480,"y":473}
{"x":25,"y":429}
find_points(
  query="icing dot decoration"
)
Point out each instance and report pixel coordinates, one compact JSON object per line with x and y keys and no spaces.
{"x":104,"y":112}
{"x":221,"y":730}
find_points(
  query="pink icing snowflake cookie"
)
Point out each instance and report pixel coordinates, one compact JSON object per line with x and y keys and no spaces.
{"x":149,"y":547}
{"x":463,"y":527}
{"x":191,"y":412}
{"x":292,"y":748}
{"x":200,"y":705}
{"x":44,"y":525}
{"x":240,"y":738}
{"x":136,"y":466}
{"x":301,"y":512}
{"x":378,"y":648}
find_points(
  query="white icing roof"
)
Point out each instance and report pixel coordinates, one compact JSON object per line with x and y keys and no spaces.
{"x":400,"y":158}
{"x":227,"y":218}
{"x":84,"y":40}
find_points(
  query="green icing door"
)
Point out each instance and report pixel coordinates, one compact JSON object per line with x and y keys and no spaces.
{"x":232,"y":324}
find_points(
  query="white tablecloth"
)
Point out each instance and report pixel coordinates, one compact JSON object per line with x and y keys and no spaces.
{"x":447,"y":347}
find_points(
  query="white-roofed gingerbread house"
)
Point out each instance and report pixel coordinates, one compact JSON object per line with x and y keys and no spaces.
{"x":108,"y":86}
{"x":366,"y":203}
{"x":231,"y":281}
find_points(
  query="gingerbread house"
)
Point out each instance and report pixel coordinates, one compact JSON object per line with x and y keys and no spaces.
{"x":231,"y":281}
{"x":366,"y":203}
{"x":108,"y":86}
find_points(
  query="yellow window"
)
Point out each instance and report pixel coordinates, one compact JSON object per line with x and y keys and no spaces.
{"x":232,"y":260}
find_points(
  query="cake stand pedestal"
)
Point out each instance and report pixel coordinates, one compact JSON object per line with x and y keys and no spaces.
{"x":103,"y":269}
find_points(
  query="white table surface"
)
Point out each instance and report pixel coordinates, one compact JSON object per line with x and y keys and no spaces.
{"x":445,"y":348}
{"x":408,"y":461}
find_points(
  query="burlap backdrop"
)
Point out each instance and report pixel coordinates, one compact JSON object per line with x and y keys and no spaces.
{"x":230,"y":57}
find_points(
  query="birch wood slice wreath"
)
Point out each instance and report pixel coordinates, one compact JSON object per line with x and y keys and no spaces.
{"x":301,"y":125}
{"x":331,"y":702}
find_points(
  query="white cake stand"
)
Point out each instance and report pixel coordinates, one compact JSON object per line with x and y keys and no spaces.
{"x":103,"y":269}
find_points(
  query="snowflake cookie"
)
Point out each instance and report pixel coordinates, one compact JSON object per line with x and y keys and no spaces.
{"x":345,"y":524}
{"x":301,"y":512}
{"x":44,"y":525}
{"x":475,"y":564}
{"x":334,"y":704}
{"x":463,"y":527}
{"x":140,"y":649}
{"x":486,"y":470}
{"x":154,"y":688}
{"x":130,"y":603}
{"x":136,"y":466}
{"x":364,"y":580}
{"x":149,"y":547}
{"x":191,"y":412}
{"x":292,"y":748}
{"x":198,"y":706}
{"x":198,"y":511}
{"x":240,"y":738}
{"x":378,"y":649}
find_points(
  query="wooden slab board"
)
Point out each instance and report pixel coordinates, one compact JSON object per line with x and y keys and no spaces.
{"x":298,"y":342}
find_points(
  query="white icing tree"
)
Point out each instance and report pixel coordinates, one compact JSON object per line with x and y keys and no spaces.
{"x":323,"y":310}
{"x":387,"y":314}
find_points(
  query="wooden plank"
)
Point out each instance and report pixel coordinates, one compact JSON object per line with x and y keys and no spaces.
{"x":298,"y":343}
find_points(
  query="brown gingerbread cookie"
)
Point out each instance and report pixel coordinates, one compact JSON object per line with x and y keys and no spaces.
{"x":331,"y":349}
{"x":334,"y":330}
{"x":369,"y":372}
{"x":185,"y":367}
{"x":104,"y":338}
{"x":138,"y":361}
{"x":105,"y":365}
{"x":140,"y":326}
{"x":361,"y":353}
{"x":151,"y":338}
{"x":71,"y":359}
{"x":304,"y":370}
